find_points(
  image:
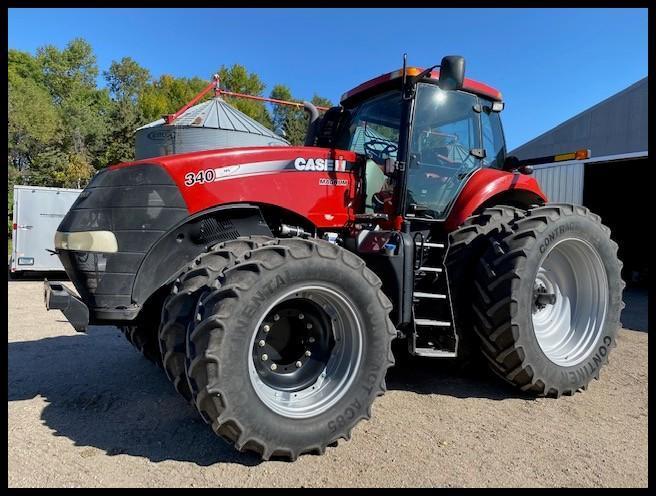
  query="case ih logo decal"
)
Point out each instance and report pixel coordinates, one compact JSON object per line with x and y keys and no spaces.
{"x":320,"y":164}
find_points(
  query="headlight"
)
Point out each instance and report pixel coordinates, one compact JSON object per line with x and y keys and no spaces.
{"x":98,"y":241}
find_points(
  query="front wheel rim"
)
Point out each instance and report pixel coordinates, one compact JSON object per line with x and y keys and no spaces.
{"x":324,"y":368}
{"x":570,"y":301}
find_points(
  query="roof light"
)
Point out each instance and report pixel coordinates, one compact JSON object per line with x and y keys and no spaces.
{"x":582,"y":154}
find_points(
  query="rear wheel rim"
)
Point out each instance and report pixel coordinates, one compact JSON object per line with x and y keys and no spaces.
{"x":570,"y":301}
{"x":305,"y":351}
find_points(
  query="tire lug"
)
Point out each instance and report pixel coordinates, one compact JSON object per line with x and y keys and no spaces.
{"x":265,"y":357}
{"x":266,"y":327}
{"x":308,"y":353}
{"x":276,"y":317}
{"x":299,"y":364}
{"x":308,"y":325}
{"x":311,"y":339}
{"x":261,"y":343}
{"x":274,"y":366}
{"x":301,"y":316}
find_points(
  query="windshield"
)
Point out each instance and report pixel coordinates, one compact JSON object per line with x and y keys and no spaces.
{"x":446,"y":130}
{"x":373,"y":127}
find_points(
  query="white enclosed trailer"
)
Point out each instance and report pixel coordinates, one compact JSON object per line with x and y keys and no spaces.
{"x":36,"y":216}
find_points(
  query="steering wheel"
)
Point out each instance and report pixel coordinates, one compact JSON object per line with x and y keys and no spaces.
{"x":379,"y":154}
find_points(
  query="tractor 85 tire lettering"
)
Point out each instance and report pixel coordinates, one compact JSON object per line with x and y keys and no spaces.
{"x":289,"y":353}
{"x":548,"y":300}
{"x":178,"y":309}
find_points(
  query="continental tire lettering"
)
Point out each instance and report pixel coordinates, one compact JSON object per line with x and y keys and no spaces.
{"x":592,"y":365}
{"x":553,"y":235}
{"x":260,"y":297}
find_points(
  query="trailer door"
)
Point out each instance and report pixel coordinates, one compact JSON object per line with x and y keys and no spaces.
{"x":39,"y":213}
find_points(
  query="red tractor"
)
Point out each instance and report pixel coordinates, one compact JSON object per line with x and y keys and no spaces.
{"x":270,"y":282}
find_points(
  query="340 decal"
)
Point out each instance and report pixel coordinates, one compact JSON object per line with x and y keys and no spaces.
{"x":208,"y":175}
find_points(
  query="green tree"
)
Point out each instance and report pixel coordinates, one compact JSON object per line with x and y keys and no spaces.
{"x":126,"y":81}
{"x":168,"y":94}
{"x":288,"y":121}
{"x":321,"y":101}
{"x":238,"y":79}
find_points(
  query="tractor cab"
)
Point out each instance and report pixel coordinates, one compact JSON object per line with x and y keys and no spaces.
{"x":423,"y":133}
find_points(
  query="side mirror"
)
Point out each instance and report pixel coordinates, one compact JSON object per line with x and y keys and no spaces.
{"x":511,"y":163}
{"x":452,"y":72}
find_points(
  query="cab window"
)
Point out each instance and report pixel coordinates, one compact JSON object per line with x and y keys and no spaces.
{"x":493,"y":142}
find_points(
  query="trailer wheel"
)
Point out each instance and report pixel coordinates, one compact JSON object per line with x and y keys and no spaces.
{"x":290,"y":350}
{"x":179,"y":306}
{"x":548,"y":300}
{"x":466,"y":246}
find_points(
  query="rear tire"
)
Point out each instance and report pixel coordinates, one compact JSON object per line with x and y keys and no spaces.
{"x":467,"y":244}
{"x":288,"y":412}
{"x":548,"y":300}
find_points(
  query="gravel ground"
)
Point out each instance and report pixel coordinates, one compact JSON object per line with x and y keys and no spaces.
{"x":88,"y":410}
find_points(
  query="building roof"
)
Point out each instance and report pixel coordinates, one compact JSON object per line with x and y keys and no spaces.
{"x":614,"y":126}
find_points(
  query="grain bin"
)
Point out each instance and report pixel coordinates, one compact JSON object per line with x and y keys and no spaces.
{"x":206,"y":126}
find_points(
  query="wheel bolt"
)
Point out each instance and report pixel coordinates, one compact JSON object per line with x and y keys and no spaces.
{"x":261,"y":343}
{"x":308,"y":353}
{"x":266,"y":328}
{"x":308,"y":325}
{"x":311,"y":339}
{"x":299,"y":364}
{"x":274,"y":366}
{"x":301,"y":316}
{"x":265,"y":357}
{"x":276,"y":317}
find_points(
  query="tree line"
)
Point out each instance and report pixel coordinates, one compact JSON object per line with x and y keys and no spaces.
{"x":63,"y":127}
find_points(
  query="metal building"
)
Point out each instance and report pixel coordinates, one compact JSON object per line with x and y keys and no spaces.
{"x":616,"y":132}
{"x":206,"y":126}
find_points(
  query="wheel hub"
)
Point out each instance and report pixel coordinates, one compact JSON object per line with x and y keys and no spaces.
{"x":570,"y":299}
{"x":307,"y":369}
{"x":293,"y":345}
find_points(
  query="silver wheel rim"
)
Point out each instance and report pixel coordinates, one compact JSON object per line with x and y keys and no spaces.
{"x":570,"y":299}
{"x":340,"y":368}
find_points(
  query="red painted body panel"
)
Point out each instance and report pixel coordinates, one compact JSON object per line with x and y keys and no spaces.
{"x":326,"y":206}
{"x":483,"y":185}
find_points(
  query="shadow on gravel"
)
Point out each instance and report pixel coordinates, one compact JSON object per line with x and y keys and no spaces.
{"x":102,"y":393}
{"x":434,"y":376}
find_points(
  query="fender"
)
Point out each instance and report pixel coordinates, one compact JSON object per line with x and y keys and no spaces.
{"x":188,"y":239}
{"x":316,"y":183}
{"x":483,"y":185}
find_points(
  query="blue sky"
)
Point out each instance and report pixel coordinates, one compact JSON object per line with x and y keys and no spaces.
{"x":549,"y":64}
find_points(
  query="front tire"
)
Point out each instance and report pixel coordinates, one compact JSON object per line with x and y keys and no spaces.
{"x":548,"y":300}
{"x":289,"y":353}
